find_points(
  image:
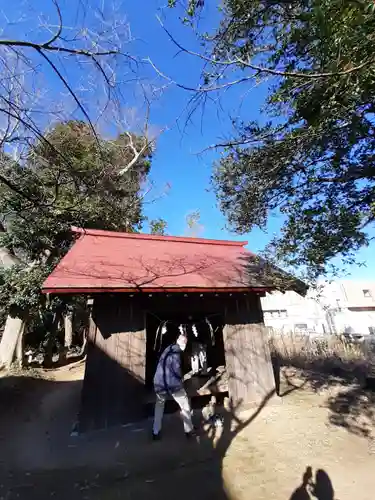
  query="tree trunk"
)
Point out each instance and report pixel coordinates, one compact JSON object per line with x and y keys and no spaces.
{"x":14,"y":328}
{"x":20,"y":347}
{"x":68,"y":328}
{"x":48,"y":357}
{"x":7,"y":259}
{"x":67,"y":323}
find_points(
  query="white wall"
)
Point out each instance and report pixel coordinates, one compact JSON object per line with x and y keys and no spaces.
{"x":339,"y":307}
{"x":287,"y":311}
{"x":351,"y":302}
{"x":355,"y":321}
{"x":347,"y":293}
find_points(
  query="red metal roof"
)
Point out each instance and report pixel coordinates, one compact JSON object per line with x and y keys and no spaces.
{"x":110,"y":261}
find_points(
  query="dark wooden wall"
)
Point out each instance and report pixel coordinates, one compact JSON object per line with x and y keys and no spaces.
{"x":113,"y":388}
{"x":248,"y":361}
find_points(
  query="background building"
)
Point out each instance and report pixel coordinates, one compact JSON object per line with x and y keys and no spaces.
{"x":339,"y":307}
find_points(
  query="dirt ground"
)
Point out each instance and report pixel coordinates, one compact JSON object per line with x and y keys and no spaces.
{"x":260,"y":454}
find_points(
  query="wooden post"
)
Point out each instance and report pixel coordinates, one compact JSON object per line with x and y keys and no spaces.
{"x":247,"y":354}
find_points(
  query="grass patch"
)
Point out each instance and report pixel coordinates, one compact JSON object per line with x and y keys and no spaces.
{"x":331,"y":354}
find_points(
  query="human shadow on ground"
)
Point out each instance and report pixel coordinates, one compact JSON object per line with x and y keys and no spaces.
{"x":319,"y":487}
{"x":301,"y":493}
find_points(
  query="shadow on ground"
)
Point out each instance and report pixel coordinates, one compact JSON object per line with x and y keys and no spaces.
{"x":350,"y":395}
{"x":39,"y":459}
{"x":319,"y":487}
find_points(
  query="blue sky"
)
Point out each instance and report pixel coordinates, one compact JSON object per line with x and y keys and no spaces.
{"x":176,"y":160}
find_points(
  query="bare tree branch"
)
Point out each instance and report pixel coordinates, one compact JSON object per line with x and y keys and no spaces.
{"x":54,"y":48}
{"x":71,"y":92}
{"x":203,"y":90}
{"x":259,"y":69}
{"x":137,"y":153}
{"x":60,"y":27}
{"x":94,"y":49}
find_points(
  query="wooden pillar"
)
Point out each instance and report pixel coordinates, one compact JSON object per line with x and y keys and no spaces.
{"x":113,"y":390}
{"x":248,"y":361}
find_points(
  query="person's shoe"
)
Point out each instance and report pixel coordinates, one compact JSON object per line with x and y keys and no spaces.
{"x":156,"y":437}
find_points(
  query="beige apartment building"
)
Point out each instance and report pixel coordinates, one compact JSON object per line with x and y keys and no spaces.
{"x":346,"y":306}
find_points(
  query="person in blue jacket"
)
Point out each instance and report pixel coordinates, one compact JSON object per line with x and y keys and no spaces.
{"x":168,"y":380}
